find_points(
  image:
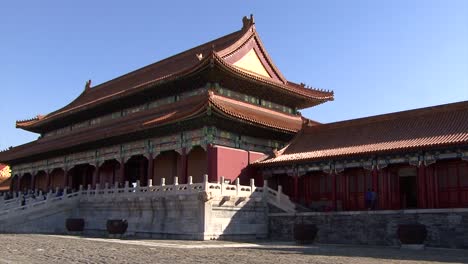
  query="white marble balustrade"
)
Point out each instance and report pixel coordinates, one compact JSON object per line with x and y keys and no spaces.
{"x":221,"y":188}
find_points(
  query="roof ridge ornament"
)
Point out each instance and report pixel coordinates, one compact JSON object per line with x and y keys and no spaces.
{"x":247,"y":22}
{"x":88,"y":85}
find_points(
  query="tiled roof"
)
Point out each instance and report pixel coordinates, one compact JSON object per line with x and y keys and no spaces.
{"x":257,"y":114}
{"x":418,"y":129}
{"x":178,"y":111}
{"x":177,"y":65}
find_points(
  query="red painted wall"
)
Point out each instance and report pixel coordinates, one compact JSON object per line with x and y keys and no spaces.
{"x":232,"y":163}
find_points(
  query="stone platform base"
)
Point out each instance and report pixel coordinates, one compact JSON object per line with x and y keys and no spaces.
{"x":447,"y":228}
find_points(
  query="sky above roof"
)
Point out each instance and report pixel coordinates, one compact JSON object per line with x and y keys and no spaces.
{"x":377,"y":56}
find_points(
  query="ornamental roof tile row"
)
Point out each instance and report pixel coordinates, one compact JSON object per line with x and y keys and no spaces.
{"x":419,"y":129}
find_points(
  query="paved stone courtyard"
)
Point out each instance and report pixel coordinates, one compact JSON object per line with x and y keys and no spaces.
{"x":68,"y":249}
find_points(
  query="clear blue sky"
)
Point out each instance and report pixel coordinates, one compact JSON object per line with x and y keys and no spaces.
{"x":378,"y":56}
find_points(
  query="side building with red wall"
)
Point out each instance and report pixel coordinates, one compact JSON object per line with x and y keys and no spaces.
{"x":410,"y":159}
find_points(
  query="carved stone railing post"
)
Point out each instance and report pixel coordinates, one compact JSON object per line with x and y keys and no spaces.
{"x":265,"y":188}
{"x":150,"y":182}
{"x":205,"y":181}
{"x":176,"y":180}
{"x":190,"y":180}
{"x":222,"y":184}
{"x":237,"y":186}
{"x":116,"y":189}
{"x":252,"y":185}
{"x":163,"y":181}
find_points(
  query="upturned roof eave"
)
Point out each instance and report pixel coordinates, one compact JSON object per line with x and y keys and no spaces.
{"x":315,"y":100}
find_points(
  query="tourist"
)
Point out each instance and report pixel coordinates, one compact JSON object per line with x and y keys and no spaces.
{"x":368,"y":199}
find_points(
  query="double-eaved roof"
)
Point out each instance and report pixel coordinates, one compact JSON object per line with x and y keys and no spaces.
{"x":420,"y":129}
{"x":241,"y":53}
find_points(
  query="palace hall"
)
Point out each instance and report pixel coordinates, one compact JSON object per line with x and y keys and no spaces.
{"x":223,"y":109}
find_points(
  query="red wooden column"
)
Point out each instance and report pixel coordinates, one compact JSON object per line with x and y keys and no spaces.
{"x":150,"y":168}
{"x":296,"y":187}
{"x":430,"y":186}
{"x":95,"y":175}
{"x":183,"y":165}
{"x":121,"y":177}
{"x":47,"y":180}
{"x":141,"y":172}
{"x":344,"y":189}
{"x":18,"y":187}
{"x":212,"y":163}
{"x":375,"y":185}
{"x":385,"y":188}
{"x":422,"y":200}
{"x":436,"y":185}
{"x":375,"y":180}
{"x":33,"y":181}
{"x":333,"y":175}
{"x":65,"y":175}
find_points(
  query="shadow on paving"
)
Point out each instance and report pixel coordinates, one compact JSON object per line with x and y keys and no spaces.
{"x":390,"y":253}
